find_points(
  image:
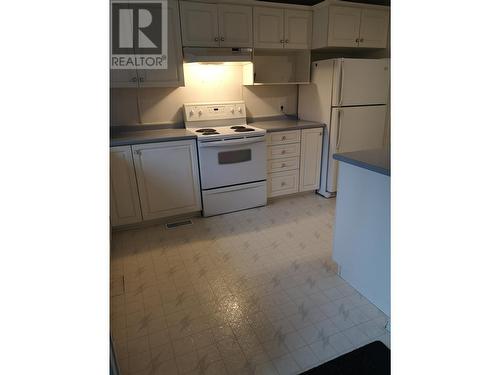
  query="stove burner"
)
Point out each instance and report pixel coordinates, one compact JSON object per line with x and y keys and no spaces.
{"x":210,"y":133}
{"x":238,"y":127}
{"x":244,"y":130}
{"x":207,"y":130}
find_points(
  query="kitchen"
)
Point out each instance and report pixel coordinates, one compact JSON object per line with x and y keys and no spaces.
{"x":249,"y":187}
{"x":223,"y":189}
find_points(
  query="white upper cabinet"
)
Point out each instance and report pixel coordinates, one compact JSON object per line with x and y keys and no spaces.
{"x":173,"y":76}
{"x":350,"y":26}
{"x":199,"y":25}
{"x":216,"y":25}
{"x":125,"y":207}
{"x":374,"y":28}
{"x":167,"y":177}
{"x":343,"y":26}
{"x":268,"y":27}
{"x":298,"y":29}
{"x":281,"y":28}
{"x":124,"y":77}
{"x":235,"y":26}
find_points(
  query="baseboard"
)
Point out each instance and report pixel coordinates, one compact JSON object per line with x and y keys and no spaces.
{"x":163,"y":220}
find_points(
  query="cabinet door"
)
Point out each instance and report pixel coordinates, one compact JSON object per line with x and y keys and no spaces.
{"x":124,"y":77}
{"x":268,"y":27}
{"x":199,"y":25}
{"x":173,"y":76}
{"x":343,"y":26}
{"x":235,"y":26}
{"x":310,"y":158}
{"x":374,"y":28}
{"x":125,"y":207}
{"x":298,"y":29}
{"x":167,"y":176}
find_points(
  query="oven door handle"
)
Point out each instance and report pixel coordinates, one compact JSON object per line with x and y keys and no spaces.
{"x":245,"y":141}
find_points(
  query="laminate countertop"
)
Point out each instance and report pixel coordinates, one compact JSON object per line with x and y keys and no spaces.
{"x":121,"y":136}
{"x":285,"y":124}
{"x":378,"y":160}
{"x":133,"y":137}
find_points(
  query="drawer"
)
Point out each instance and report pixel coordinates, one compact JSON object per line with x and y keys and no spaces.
{"x":280,"y":165}
{"x":283,"y":151}
{"x":281,"y":183}
{"x":278,"y":138}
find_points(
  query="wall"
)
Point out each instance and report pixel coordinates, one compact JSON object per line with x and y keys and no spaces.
{"x":203,"y":83}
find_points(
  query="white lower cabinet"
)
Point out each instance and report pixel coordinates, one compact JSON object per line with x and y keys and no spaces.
{"x":168,"y":178}
{"x":282,"y":183}
{"x":125,"y":207}
{"x":293,"y":161}
{"x":311,"y":143}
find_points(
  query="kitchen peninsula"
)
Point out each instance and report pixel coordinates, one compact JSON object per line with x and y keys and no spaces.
{"x":361,"y":241}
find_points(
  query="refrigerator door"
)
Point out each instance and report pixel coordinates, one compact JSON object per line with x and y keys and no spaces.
{"x":354,"y":129}
{"x":360,"y":82}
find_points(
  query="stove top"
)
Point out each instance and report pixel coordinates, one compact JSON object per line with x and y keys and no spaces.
{"x":225,"y":132}
{"x":224,"y":120}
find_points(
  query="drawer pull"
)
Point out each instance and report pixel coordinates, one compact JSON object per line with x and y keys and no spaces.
{"x":283,"y":138}
{"x":283,"y":183}
{"x":283,"y":152}
{"x":283,"y":165}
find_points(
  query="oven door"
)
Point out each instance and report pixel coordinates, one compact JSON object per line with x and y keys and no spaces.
{"x":231,"y":162}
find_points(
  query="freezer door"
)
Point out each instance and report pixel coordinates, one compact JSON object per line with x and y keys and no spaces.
{"x":354,"y":129}
{"x":360,"y":82}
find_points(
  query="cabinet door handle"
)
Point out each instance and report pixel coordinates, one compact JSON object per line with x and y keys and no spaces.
{"x":282,"y":41}
{"x":221,"y":38}
{"x":283,"y":152}
{"x":361,"y":40}
{"x":133,"y":79}
{"x":138,"y":152}
{"x":283,"y":138}
{"x":357,"y":40}
{"x":283,"y":165}
{"x":286,"y":40}
{"x":216,"y":39}
{"x":283,"y":183}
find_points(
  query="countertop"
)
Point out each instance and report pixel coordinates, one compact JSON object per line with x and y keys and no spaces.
{"x":378,"y":160}
{"x":132,"y":137}
{"x":285,"y":124}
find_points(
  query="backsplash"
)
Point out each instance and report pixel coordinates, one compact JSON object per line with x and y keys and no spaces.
{"x":203,"y":83}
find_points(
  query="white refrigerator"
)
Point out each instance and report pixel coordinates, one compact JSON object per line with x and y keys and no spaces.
{"x":350,"y":96}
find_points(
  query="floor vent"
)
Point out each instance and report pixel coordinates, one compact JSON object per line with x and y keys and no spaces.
{"x":178,"y":224}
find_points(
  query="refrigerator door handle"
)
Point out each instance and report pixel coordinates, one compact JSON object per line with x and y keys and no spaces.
{"x":341,"y":95}
{"x":339,"y":129}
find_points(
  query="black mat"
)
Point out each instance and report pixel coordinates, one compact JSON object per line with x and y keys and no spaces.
{"x":371,"y":359}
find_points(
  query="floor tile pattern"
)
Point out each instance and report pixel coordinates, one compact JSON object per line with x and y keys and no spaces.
{"x":251,"y":292}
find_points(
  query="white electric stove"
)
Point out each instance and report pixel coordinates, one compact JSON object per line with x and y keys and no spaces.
{"x":232,"y":156}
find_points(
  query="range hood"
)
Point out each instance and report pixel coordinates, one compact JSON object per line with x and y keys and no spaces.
{"x":215,"y":55}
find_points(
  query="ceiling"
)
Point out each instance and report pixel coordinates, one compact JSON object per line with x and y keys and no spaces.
{"x":312,"y":2}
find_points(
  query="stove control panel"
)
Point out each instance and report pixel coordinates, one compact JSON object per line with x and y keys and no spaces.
{"x":214,"y":111}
